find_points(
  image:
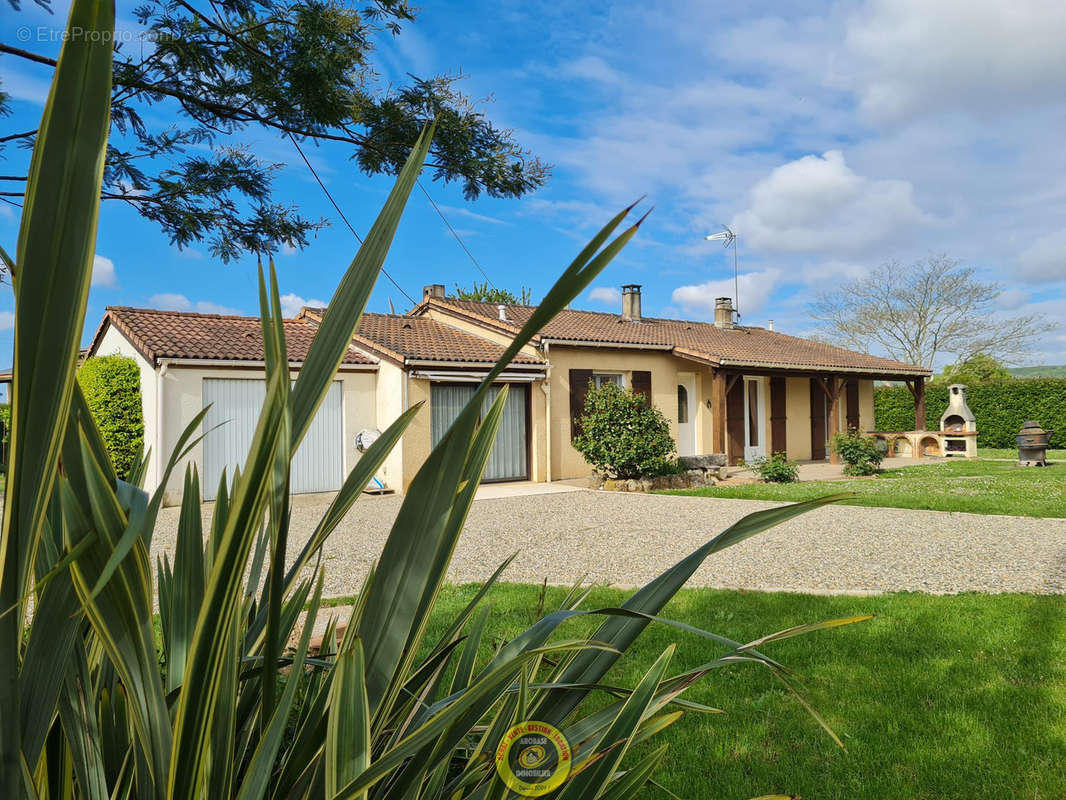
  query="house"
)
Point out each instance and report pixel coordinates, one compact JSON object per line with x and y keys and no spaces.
{"x":724,"y":388}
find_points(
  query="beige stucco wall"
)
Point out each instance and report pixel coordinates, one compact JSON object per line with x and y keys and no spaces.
{"x":417,"y":442}
{"x":798,"y":418}
{"x":664,"y":368}
{"x":866,"y":405}
{"x":388,"y":405}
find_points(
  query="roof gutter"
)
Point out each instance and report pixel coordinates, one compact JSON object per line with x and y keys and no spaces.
{"x":423,"y":362}
{"x":251,"y":364}
{"x":589,"y":343}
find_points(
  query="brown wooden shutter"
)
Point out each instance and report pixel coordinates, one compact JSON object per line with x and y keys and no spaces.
{"x":817,"y":420}
{"x":853,"y":405}
{"x":642,"y":384}
{"x":734,"y":422}
{"x":778,"y":415}
{"x":579,"y":389}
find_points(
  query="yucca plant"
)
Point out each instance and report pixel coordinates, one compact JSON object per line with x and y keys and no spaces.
{"x":95,"y":704}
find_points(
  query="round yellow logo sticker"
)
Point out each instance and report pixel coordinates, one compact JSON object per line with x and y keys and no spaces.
{"x":533,"y":758}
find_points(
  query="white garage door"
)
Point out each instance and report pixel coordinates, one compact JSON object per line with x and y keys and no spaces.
{"x":319,"y":463}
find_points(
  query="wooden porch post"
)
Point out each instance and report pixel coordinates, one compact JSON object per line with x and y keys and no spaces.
{"x":833,"y":386}
{"x":718,"y":412}
{"x":919,"y":404}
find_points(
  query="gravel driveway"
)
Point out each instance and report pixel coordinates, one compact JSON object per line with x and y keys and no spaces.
{"x":627,"y":539}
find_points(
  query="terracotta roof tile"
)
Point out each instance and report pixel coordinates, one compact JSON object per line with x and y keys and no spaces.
{"x":183,"y":335}
{"x":699,"y":340}
{"x":424,"y":339}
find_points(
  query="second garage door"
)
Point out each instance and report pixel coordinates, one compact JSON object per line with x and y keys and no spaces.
{"x":318,"y":465}
{"x":509,"y":460}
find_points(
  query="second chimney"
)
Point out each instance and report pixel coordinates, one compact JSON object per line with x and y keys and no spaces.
{"x":433,"y":290}
{"x":723,"y":312}
{"x":631,"y":302}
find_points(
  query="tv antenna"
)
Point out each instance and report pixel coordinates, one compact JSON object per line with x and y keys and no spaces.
{"x":727,"y":238}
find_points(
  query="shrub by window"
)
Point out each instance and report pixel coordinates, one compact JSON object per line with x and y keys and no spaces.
{"x":860,"y":454}
{"x":112,"y":389}
{"x":776,"y":469}
{"x":622,"y":436}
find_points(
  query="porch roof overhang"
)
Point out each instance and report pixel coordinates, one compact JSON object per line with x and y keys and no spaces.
{"x":774,"y":368}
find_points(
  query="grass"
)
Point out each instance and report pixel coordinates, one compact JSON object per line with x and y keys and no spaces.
{"x":1012,"y":453}
{"x":981,"y":487}
{"x":937,"y":697}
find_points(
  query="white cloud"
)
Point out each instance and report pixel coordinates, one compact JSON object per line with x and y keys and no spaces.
{"x":7,"y":320}
{"x":292,"y":303}
{"x":25,"y":87}
{"x":179,"y":302}
{"x":608,"y":295}
{"x":916,"y":56}
{"x":104,"y":273}
{"x":1013,"y":299}
{"x":288,"y":250}
{"x":466,"y":212}
{"x":755,"y":289}
{"x":818,"y":204}
{"x":1045,"y":259}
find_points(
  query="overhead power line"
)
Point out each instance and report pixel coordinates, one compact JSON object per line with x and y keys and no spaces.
{"x":458,"y":238}
{"x":343,"y":217}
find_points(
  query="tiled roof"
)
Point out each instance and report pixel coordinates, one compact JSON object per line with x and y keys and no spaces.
{"x":702,"y":341}
{"x":423,"y":339}
{"x":210,"y":337}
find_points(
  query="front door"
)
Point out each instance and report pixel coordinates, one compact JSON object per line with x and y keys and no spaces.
{"x":754,"y":419}
{"x":686,"y":415}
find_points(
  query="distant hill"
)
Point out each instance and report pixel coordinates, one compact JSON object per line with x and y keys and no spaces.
{"x":1053,"y":371}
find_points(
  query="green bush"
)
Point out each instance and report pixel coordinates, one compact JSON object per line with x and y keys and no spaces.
{"x":1000,"y":407}
{"x":623,"y":436}
{"x":860,"y":454}
{"x":112,"y":389}
{"x":776,"y":469}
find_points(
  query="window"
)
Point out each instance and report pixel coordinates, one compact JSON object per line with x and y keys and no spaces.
{"x":599,"y":379}
{"x":682,"y":404}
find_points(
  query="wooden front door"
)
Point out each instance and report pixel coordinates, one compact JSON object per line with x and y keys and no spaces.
{"x":818,"y":415}
{"x":734,"y":417}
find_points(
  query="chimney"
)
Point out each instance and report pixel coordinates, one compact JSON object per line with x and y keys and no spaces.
{"x":769,"y":325}
{"x":435,"y":290}
{"x":631,"y":302}
{"x":501,"y":309}
{"x":723,"y":312}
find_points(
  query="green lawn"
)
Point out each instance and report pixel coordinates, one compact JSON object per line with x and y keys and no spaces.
{"x":982,"y":487}
{"x":937,"y":697}
{"x":1012,"y":453}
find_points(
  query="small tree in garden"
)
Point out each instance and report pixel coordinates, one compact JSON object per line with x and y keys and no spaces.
{"x":112,"y":389}
{"x":622,"y":435}
{"x":860,"y":454}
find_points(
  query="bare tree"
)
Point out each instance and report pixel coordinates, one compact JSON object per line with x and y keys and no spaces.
{"x":918,"y":312}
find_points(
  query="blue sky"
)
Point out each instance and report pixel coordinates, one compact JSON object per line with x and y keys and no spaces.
{"x":833,"y":137}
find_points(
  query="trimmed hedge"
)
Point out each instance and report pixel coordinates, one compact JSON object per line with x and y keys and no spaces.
{"x":112,"y":388}
{"x":1000,"y":407}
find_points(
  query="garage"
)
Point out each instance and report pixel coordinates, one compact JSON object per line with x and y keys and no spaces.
{"x":509,"y":460}
{"x":318,"y":465}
